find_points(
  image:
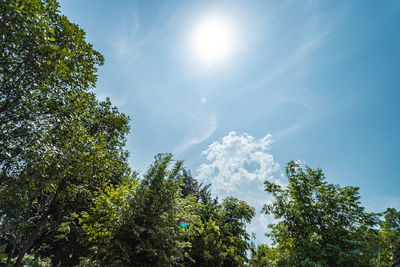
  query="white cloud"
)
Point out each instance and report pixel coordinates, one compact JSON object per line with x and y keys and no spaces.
{"x":236,"y":161}
{"x":237,"y":166}
{"x":258,"y":226}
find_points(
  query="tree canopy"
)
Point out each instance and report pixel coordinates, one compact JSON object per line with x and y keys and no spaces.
{"x":152,"y":208}
{"x":318,"y":224}
{"x":69,"y":198}
{"x":58,"y":143}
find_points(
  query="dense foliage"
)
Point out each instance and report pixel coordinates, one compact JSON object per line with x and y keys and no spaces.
{"x":152,"y":208}
{"x":68,"y":197}
{"x":321,"y":224}
{"x":149,"y":209}
{"x":219,"y":238}
{"x":387,"y":244}
{"x":58,"y":144}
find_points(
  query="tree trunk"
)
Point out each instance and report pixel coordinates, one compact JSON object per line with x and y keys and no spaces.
{"x":9,"y":257}
{"x":32,"y":238}
{"x":14,"y":245}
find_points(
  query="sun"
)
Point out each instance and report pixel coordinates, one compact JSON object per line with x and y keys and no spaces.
{"x":212,"y":40}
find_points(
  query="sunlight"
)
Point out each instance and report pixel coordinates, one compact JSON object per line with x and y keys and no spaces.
{"x":212,"y":40}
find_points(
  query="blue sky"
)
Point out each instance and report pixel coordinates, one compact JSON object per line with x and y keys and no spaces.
{"x":314,"y":81}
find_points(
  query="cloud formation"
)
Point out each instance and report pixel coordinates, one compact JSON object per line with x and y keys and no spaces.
{"x":237,"y":166}
{"x":236,"y":161}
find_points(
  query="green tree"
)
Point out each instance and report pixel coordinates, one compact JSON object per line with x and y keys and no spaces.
{"x":318,"y":224}
{"x":58,"y":144}
{"x":220,"y":237}
{"x":387,"y":241}
{"x":136,"y":224}
{"x":264,"y":255}
{"x":192,"y":187}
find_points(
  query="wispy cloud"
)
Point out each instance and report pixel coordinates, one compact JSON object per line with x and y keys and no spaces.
{"x":209,"y":127}
{"x":315,"y":108}
{"x":305,"y":48}
{"x":128,"y":42}
{"x":126,"y":36}
{"x":289,"y":47}
{"x":292,"y":62}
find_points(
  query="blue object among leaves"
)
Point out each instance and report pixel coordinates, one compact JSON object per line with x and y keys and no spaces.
{"x":183,"y":225}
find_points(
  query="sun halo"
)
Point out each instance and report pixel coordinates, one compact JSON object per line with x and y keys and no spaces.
{"x":212,"y":40}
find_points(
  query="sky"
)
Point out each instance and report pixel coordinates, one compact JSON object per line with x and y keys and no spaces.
{"x":237,"y":89}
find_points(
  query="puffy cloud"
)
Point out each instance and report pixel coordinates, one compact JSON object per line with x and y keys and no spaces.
{"x":236,"y":161}
{"x":237,"y":166}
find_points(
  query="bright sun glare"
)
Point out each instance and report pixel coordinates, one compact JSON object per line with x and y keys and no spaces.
{"x":212,"y":40}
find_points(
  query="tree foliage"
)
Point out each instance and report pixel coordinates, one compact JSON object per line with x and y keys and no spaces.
{"x":387,"y":242}
{"x":264,"y":255}
{"x":136,"y":224}
{"x":220,"y":237}
{"x":192,"y":187}
{"x":58,"y":144}
{"x":67,"y":195}
{"x":318,"y":224}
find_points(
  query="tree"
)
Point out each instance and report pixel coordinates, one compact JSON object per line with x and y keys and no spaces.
{"x":387,"y":240}
{"x":136,"y":224}
{"x":318,"y":224}
{"x":220,"y":237}
{"x":192,"y":187}
{"x":264,"y":256}
{"x":58,"y":144}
